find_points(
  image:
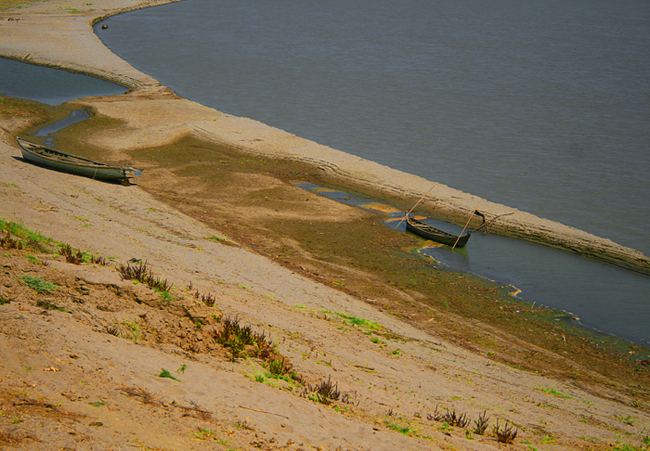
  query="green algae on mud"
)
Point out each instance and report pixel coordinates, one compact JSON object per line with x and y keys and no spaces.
{"x":366,"y":259}
{"x":252,"y":200}
{"x":35,"y":114}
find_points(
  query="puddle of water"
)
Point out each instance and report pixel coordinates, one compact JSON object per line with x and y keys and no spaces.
{"x":75,"y":116}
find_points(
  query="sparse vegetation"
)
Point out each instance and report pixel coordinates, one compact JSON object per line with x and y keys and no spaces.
{"x":99,"y":260}
{"x":208,"y":434}
{"x":450,"y":417}
{"x":166,"y":374}
{"x":325,"y":392}
{"x":505,"y":433}
{"x":16,"y":236}
{"x":142,"y":273}
{"x":554,"y":392}
{"x":8,"y":242}
{"x":358,"y":321}
{"x":39,"y":285}
{"x":49,"y":305}
{"x":482,"y":423}
{"x":242,"y":425}
{"x":72,"y":256}
{"x":134,"y":328}
{"x":406,"y":430}
{"x":242,"y":341}
{"x":208,"y":299}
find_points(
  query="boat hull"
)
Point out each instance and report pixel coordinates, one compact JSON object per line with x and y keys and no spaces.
{"x":431,"y":233}
{"x":50,"y":158}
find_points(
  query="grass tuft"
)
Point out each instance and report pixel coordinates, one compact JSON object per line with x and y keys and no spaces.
{"x":72,"y":256}
{"x":482,"y":423}
{"x":142,"y":273}
{"x":39,"y":285}
{"x":166,"y":374}
{"x":506,"y":433}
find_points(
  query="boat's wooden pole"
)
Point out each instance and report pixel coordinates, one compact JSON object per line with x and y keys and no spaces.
{"x":470,"y":218}
{"x":416,"y":204}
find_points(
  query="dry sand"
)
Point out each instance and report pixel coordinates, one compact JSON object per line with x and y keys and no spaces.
{"x":81,"y":379}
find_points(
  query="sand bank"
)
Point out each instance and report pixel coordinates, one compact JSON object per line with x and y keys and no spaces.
{"x":50,"y":35}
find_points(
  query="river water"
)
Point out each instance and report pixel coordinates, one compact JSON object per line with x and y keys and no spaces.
{"x":50,"y":86}
{"x":543,"y":106}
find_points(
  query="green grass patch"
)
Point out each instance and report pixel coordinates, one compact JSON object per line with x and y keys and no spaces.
{"x":14,"y":235}
{"x":134,"y":328}
{"x":626,"y":447}
{"x":405,"y":430}
{"x":554,"y":392}
{"x":166,"y":374}
{"x":39,"y":285}
{"x":353,"y":320}
{"x":208,"y":434}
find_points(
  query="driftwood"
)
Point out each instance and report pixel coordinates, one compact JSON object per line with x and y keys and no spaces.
{"x":263,"y":411}
{"x":149,"y":398}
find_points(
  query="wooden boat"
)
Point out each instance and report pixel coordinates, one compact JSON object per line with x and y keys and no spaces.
{"x":433,"y":234}
{"x":45,"y":156}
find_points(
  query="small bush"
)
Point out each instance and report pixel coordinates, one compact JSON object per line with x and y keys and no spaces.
{"x":8,"y":242}
{"x":142,"y":273}
{"x":482,"y":423}
{"x":72,"y":256}
{"x":505,"y":433}
{"x":243,"y":341}
{"x":450,"y":418}
{"x":324,"y":392}
{"x":209,"y":300}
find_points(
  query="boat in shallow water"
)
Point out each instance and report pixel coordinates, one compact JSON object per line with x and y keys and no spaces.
{"x":433,"y":234}
{"x":45,"y":156}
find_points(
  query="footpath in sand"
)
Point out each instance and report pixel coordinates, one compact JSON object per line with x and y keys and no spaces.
{"x":80,"y":362}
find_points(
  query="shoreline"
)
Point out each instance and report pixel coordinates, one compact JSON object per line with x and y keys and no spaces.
{"x":29,"y":43}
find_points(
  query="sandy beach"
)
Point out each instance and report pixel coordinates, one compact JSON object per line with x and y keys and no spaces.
{"x":82,"y":362}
